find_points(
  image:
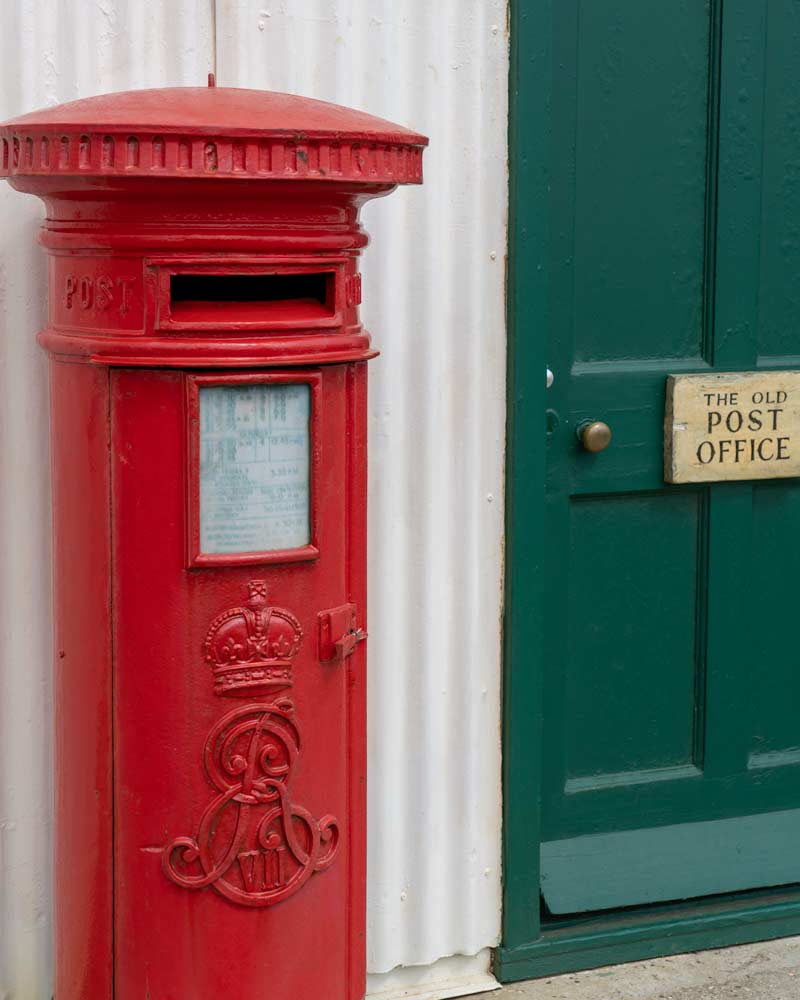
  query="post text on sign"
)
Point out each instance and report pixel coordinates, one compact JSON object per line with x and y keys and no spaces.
{"x":728,"y":426}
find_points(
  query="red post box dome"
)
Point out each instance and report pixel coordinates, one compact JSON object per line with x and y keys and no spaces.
{"x":206,"y":189}
{"x":210,"y":132}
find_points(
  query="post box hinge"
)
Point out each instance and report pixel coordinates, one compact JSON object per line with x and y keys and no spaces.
{"x":339,"y":633}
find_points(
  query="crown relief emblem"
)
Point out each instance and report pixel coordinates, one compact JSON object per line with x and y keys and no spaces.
{"x":251,"y":648}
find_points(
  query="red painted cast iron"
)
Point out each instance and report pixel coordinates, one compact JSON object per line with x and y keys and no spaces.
{"x":210,"y":704}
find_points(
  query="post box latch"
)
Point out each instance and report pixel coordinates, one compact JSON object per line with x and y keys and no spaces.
{"x":338,"y":633}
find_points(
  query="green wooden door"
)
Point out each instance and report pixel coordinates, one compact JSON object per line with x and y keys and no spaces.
{"x":670,"y":731}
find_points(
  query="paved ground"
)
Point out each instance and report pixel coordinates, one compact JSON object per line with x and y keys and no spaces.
{"x":769,"y":971}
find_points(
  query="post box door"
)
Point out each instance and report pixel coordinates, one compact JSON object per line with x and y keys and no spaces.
{"x":238,"y":753}
{"x":670,"y":753}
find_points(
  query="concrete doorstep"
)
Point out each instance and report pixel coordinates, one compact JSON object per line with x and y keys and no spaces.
{"x":767,"y":971}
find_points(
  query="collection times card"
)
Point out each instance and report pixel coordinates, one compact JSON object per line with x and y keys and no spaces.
{"x":254,"y":467}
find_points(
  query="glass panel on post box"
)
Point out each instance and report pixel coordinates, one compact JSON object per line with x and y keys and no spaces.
{"x":254,"y":467}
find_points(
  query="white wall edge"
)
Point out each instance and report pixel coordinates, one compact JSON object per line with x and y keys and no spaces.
{"x":455,"y":976}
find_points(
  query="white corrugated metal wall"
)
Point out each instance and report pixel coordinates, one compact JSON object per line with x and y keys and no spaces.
{"x":434,"y":300}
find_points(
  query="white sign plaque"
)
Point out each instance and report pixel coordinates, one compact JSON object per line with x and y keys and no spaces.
{"x":254,"y":467}
{"x":732,"y":425}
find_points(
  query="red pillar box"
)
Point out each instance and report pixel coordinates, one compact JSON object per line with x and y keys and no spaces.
{"x":208,"y":374}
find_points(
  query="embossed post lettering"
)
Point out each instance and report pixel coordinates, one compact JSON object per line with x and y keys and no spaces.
{"x":101,"y":293}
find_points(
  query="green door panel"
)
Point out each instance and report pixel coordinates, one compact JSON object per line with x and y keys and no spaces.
{"x":664,"y":734}
{"x":609,"y":870}
{"x":632,"y":113}
{"x":646,"y":687}
{"x":778,"y":287}
{"x":773,"y":593}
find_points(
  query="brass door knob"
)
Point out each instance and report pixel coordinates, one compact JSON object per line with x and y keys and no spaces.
{"x":594,"y":435}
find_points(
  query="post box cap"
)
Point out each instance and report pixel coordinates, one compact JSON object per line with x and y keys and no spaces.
{"x":210,"y":132}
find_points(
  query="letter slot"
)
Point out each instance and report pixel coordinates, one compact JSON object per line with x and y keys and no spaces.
{"x":202,"y":299}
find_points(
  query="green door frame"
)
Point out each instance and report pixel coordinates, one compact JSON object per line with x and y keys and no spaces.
{"x":529,"y":949}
